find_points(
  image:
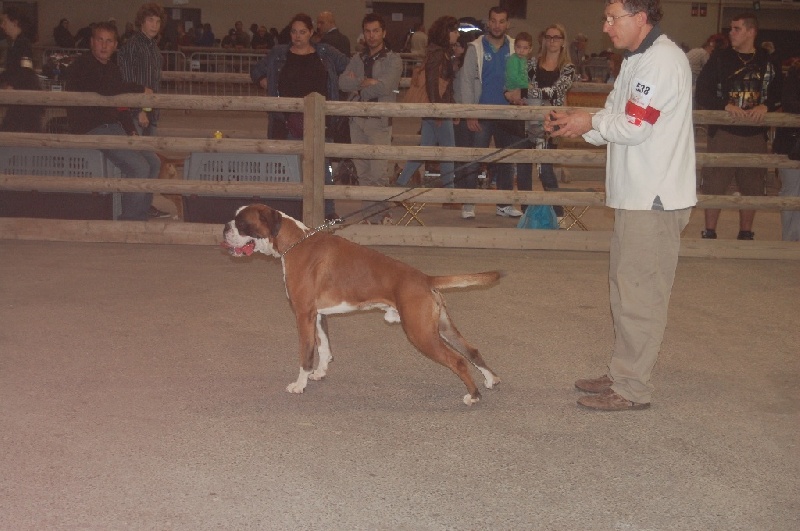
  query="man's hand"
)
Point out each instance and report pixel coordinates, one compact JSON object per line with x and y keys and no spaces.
{"x":263,"y":83}
{"x":143,"y":120}
{"x":368,"y":82}
{"x":570,"y":124}
{"x":757,"y":113}
{"x":473,"y":125}
{"x":735,"y":111}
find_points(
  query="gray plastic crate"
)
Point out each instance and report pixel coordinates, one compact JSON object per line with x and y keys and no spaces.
{"x":62,"y":162}
{"x":242,"y":167}
{"x":239,"y":167}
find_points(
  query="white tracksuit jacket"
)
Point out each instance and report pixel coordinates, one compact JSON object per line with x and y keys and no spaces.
{"x":647,"y":124}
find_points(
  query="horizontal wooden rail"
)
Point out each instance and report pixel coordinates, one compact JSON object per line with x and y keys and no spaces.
{"x":171,"y":233}
{"x":372,"y":193}
{"x":337,"y":108}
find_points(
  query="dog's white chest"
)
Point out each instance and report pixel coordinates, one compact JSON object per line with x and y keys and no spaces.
{"x":391,"y":315}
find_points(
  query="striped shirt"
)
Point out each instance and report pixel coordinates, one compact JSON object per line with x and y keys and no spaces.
{"x":139,"y":60}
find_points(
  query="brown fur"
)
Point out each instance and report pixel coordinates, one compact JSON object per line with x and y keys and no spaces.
{"x":325,"y":270}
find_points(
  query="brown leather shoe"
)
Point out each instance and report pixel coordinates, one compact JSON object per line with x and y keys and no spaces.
{"x":594,"y":385}
{"x":608,"y":400}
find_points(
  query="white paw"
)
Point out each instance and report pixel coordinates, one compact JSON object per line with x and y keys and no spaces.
{"x":468,"y":400}
{"x":317,"y":375}
{"x":489,"y":379}
{"x":295,"y":388}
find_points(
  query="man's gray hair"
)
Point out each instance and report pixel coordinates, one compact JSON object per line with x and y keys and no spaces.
{"x":652,"y":8}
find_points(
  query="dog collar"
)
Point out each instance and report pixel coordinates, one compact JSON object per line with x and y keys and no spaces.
{"x":325,"y":226}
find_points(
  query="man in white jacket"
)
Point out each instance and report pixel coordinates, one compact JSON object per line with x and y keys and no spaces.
{"x":650,"y":182}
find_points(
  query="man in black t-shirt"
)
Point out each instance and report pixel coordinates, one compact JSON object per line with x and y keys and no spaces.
{"x":744,"y":82}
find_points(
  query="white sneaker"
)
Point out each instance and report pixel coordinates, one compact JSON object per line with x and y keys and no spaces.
{"x":508,"y":212}
{"x":468,"y":211}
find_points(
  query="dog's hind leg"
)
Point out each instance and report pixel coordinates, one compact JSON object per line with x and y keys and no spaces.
{"x":323,"y":348}
{"x":449,"y":332}
{"x":306,"y":325}
{"x":421,"y":327}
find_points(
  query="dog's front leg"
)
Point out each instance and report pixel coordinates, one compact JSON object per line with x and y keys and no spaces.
{"x":323,"y":348}
{"x":305,"y":329}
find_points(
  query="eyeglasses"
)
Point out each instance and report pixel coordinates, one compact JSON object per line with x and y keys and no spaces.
{"x":610,"y":20}
{"x":553,"y":38}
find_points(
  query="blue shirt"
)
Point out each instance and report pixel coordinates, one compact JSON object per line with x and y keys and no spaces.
{"x":493,"y":73}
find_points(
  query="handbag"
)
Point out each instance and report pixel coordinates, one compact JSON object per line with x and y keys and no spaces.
{"x":538,"y":217}
{"x":417,"y":91}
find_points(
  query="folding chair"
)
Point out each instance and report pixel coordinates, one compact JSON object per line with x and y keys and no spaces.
{"x":573,"y":214}
{"x":412,"y":211}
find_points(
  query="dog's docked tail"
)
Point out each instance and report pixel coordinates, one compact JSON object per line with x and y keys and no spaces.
{"x":463,"y":281}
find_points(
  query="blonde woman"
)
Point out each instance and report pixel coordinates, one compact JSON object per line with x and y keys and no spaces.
{"x":551,"y":74}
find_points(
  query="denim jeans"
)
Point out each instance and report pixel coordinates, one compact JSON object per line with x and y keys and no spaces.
{"x":435,"y":132}
{"x":502,"y":139}
{"x":132,"y":164}
{"x":463,"y":138}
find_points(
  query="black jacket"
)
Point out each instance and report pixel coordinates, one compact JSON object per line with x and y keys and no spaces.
{"x":87,"y":74}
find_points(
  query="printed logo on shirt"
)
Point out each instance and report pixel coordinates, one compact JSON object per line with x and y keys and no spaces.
{"x":487,"y":56}
{"x":638,"y":108}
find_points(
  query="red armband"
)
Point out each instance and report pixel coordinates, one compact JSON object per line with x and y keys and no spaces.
{"x":636,"y":114}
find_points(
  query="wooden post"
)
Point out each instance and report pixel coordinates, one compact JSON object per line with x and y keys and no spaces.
{"x":313,"y":160}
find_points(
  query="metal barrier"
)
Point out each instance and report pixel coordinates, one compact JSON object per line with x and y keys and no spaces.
{"x":222,"y":62}
{"x":172,"y":61}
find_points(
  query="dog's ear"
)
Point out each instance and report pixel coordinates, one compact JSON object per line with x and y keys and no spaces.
{"x":271,"y":218}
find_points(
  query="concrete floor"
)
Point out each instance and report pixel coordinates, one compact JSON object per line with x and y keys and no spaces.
{"x":142,"y":387}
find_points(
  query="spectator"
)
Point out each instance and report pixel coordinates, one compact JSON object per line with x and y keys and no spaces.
{"x":242,"y":37}
{"x":230,"y":40}
{"x":84,"y":37}
{"x":21,"y":118}
{"x":262,"y":39}
{"x":62,"y":36}
{"x":439,"y":71}
{"x":482,"y":81}
{"x":373,"y":75}
{"x":330,"y":34}
{"x":462,"y":134}
{"x":550,"y":76}
{"x":185,"y":38}
{"x":418,"y":41}
{"x":785,"y":140}
{"x":96,"y":72}
{"x":517,"y":63}
{"x":650,"y":183}
{"x":140,"y":62}
{"x":698,"y":57}
{"x":16,"y":26}
{"x":743,"y":81}
{"x":579,"y":55}
{"x":206,"y":37}
{"x":295,"y":71}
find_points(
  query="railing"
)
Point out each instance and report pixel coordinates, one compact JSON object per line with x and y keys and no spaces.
{"x":314,"y":150}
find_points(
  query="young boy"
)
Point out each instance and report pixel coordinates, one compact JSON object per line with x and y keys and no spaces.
{"x":517,"y":64}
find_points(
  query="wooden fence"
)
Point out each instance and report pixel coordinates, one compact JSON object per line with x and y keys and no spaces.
{"x":313,"y":150}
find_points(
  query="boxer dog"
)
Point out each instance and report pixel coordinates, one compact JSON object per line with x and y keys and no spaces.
{"x":326,"y":274}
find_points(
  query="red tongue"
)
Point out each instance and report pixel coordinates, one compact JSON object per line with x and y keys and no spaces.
{"x":246,"y":249}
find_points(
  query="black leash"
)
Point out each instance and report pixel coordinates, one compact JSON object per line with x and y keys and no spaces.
{"x":340,"y":222}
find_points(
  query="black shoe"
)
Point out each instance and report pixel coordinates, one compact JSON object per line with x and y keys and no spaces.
{"x":709,"y":234}
{"x":745,"y":235}
{"x":156,"y":213}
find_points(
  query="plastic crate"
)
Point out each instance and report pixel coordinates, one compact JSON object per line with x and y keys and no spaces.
{"x":238,"y":167}
{"x":60,"y":162}
{"x":242,"y":167}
